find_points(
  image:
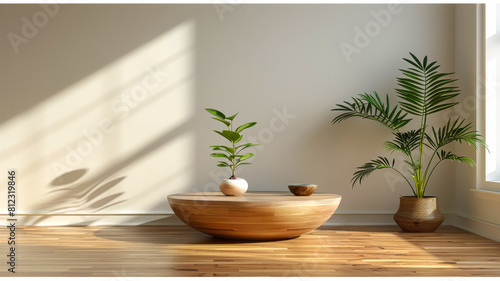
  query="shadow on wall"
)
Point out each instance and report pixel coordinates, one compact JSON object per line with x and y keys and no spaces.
{"x":93,"y":194}
{"x":71,"y":197}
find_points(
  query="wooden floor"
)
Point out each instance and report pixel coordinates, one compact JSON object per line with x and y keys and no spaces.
{"x":180,"y":251}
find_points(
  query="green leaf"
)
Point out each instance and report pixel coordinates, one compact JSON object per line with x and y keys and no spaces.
{"x":223,"y":164}
{"x":413,"y":165}
{"x":226,"y":135}
{"x":247,"y":145}
{"x":222,"y":147}
{"x":443,"y":155}
{"x":417,"y":61}
{"x":368,"y":168}
{"x":412,"y":74}
{"x":404,"y":142}
{"x":245,"y":126}
{"x":239,"y":139}
{"x":241,"y":163}
{"x":231,"y":117}
{"x":220,"y":133}
{"x":231,"y":136}
{"x":412,"y":63}
{"x":246,"y":156}
{"x":371,"y":107}
{"x":424,"y":90}
{"x":244,"y":146}
{"x":227,"y":123}
{"x":219,"y":155}
{"x":216,"y":113}
{"x":452,"y":132}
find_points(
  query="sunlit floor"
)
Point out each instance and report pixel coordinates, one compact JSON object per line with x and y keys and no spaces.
{"x":181,"y":251}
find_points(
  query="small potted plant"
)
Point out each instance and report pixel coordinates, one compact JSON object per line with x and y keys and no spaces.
{"x":424,"y":91}
{"x":231,"y":154}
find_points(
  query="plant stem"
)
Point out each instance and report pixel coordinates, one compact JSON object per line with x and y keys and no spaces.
{"x":426,"y":178}
{"x":419,"y":181}
{"x":411,"y":161}
{"x":233,"y":167}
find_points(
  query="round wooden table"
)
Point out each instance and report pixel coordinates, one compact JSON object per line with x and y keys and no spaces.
{"x":255,"y":215}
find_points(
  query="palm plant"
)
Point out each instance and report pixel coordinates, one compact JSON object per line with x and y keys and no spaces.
{"x":231,"y":153}
{"x":424,"y":91}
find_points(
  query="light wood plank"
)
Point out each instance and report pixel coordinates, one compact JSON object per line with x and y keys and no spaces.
{"x":124,"y":251}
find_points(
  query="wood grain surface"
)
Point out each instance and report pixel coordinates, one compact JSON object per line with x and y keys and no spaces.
{"x":177,"y":251}
{"x":255,"y":215}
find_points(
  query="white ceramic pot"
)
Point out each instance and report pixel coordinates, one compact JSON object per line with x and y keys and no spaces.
{"x":233,"y":187}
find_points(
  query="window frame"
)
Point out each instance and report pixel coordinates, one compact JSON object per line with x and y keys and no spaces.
{"x":481,"y":183}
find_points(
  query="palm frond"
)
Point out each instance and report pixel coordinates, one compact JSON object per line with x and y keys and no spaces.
{"x":444,"y":155}
{"x":404,"y":142}
{"x":368,"y":168}
{"x":424,"y":90}
{"x":413,"y":166}
{"x":372,"y":107}
{"x":455,"y":131}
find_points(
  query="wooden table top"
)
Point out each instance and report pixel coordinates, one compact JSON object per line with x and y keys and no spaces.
{"x":249,"y":197}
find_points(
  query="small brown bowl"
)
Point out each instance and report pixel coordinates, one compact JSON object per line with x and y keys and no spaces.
{"x":302,"y":189}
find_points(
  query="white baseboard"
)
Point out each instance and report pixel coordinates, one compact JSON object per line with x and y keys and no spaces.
{"x":477,"y":226}
{"x":171,"y":219}
{"x":92,"y":219}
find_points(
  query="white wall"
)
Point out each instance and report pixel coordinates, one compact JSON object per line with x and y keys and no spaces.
{"x":67,"y":105}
